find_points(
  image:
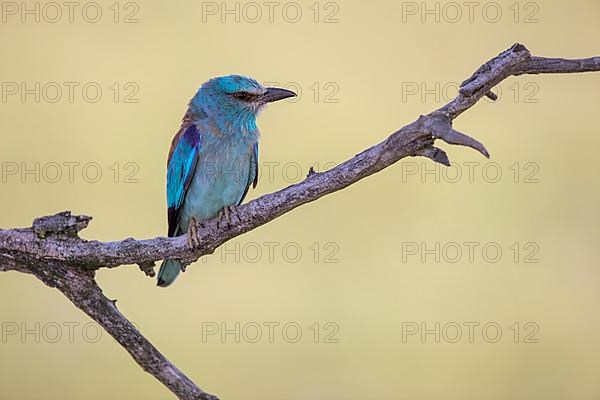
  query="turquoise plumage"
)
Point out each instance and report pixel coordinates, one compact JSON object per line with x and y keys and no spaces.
{"x":213,"y":159}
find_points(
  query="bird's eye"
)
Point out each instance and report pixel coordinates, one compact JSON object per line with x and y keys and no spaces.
{"x":243,"y":96}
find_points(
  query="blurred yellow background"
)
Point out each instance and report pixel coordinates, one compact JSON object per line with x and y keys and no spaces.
{"x":356,"y":272}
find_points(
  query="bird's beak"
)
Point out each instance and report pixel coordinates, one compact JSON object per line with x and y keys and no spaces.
{"x":274,"y":94}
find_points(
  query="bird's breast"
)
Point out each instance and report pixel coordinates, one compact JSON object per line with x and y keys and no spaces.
{"x":220,"y":179}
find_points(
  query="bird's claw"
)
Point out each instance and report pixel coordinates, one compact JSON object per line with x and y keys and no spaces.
{"x":226,"y":213}
{"x":193,"y":236}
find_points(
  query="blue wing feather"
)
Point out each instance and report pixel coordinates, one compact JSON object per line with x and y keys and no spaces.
{"x":180,"y":171}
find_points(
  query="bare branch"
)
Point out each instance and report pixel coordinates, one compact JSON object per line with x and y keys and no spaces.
{"x":415,"y":139}
{"x":80,"y":287}
{"x":52,"y":250}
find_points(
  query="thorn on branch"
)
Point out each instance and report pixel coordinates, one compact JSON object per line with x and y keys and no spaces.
{"x":311,"y":172}
{"x":436,"y":154}
{"x":148,"y":268}
{"x":440,"y":126}
{"x":61,"y":224}
{"x":519,"y":48}
{"x":491,"y":95}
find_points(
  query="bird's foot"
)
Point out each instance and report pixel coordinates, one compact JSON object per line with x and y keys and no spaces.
{"x":226,"y":214}
{"x":193,"y":236}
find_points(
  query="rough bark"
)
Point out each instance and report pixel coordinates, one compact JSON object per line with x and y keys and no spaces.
{"x":52,"y":250}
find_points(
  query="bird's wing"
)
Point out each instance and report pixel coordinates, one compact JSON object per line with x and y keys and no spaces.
{"x":253,"y":176}
{"x":181,"y":164}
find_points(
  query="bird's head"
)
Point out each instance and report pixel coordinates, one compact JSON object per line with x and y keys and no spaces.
{"x":235,"y":98}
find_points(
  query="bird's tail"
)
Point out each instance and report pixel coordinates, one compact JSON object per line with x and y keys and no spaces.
{"x":168,"y":272}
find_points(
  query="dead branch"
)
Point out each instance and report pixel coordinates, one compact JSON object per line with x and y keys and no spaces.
{"x":53,"y":251}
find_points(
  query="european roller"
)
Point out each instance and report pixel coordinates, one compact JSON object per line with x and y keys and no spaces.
{"x":213,"y":158}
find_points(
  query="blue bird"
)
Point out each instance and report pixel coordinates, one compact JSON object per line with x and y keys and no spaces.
{"x":213,"y":158}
